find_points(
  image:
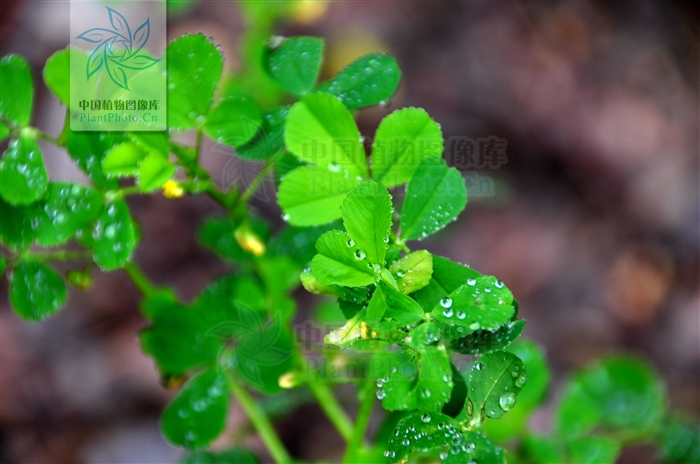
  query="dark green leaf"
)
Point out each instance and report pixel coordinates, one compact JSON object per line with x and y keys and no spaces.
{"x":367,"y":81}
{"x":36,"y":290}
{"x":4,"y":131}
{"x":295,"y":63}
{"x":17,"y":92}
{"x":376,"y":308}
{"x":217,"y":235}
{"x":88,"y":149}
{"x":680,"y":441}
{"x":435,"y":196}
{"x":447,"y":277}
{"x":234,"y":120}
{"x":23,"y":177}
{"x":221,"y":457}
{"x":115,"y":236}
{"x":194,"y":69}
{"x":494,"y":383}
{"x":458,"y":396}
{"x":594,"y":450}
{"x":64,"y":210}
{"x":197,"y":415}
{"x":484,"y":341}
{"x":322,"y":131}
{"x":402,"y":308}
{"x":402,"y":140}
{"x":18,"y":225}
{"x":312,"y":195}
{"x":299,"y":243}
{"x":366,"y":215}
{"x":542,"y":450}
{"x":340,"y":262}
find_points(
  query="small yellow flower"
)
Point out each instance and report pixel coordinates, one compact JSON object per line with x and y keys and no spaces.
{"x":288,"y":380}
{"x":365,"y":331}
{"x":309,"y":11}
{"x":172,"y":189}
{"x":249,"y":241}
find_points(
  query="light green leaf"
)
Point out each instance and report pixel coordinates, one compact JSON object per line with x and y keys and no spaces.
{"x":322,"y":131}
{"x":152,"y":142}
{"x":123,"y":160}
{"x":57,"y":74}
{"x":348,"y":334}
{"x":269,"y":140}
{"x":366,"y":215}
{"x":441,"y":436}
{"x":23,"y":177}
{"x":17,"y":90}
{"x":64,"y":210}
{"x":402,"y":140}
{"x":413,"y":271}
{"x":153,"y":172}
{"x":197,"y":415}
{"x":234,"y":120}
{"x":311,"y":195}
{"x":367,"y":81}
{"x":594,"y":450}
{"x":376,"y":308}
{"x":295,"y":63}
{"x":36,"y":290}
{"x":435,"y":196}
{"x":194,"y":69}
{"x":483,"y":303}
{"x":115,"y":236}
{"x":494,"y":383}
{"x":340,"y":262}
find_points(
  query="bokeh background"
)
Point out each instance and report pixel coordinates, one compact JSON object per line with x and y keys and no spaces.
{"x":593,"y":221}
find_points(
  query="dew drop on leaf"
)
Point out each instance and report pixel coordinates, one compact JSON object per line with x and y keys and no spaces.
{"x":446,"y":302}
{"x":507,"y":401}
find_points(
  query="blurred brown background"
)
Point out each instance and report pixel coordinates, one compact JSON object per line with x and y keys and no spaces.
{"x":593,"y":222}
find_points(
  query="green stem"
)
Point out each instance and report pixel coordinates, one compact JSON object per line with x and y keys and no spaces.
{"x":260,"y":421}
{"x":363,"y":414}
{"x":47,"y":137}
{"x":60,"y":255}
{"x":197,"y":145}
{"x":139,"y":278}
{"x":331,"y":407}
{"x":259,"y":178}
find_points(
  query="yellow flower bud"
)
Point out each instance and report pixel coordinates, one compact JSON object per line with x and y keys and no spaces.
{"x":172,"y":189}
{"x":309,"y":11}
{"x":288,"y":380}
{"x":249,"y":240}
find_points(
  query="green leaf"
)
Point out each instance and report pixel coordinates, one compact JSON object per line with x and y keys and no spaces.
{"x":594,"y":450}
{"x":434,"y":385}
{"x":413,"y":271}
{"x":402,"y":140}
{"x":376,"y":308}
{"x":17,"y":92}
{"x":23,"y":177}
{"x":367,"y":218}
{"x":197,"y":415}
{"x":194,"y":69}
{"x":3,"y":265}
{"x":542,"y":450}
{"x":394,"y":372}
{"x":625,"y":394}
{"x":115,"y":236}
{"x":64,"y":210}
{"x":447,"y":277}
{"x":280,"y":274}
{"x":123,"y":160}
{"x":494,"y":383}
{"x":153,"y":172}
{"x":680,"y":441}
{"x":435,"y":196}
{"x":437,"y":434}
{"x":402,"y":308}
{"x":221,"y":457}
{"x":295,"y":63}
{"x":57,"y":74}
{"x":340,"y":262}
{"x":18,"y":225}
{"x":269,"y":140}
{"x":88,"y":149}
{"x":36,"y":290}
{"x":514,"y":424}
{"x":322,"y":131}
{"x":483,"y":303}
{"x":367,"y":81}
{"x":217,"y":235}
{"x":311,"y":195}
{"x":458,"y":396}
{"x":234,"y":120}
{"x":577,"y":413}
{"x":348,"y":334}
{"x":299,"y":243}
{"x":485,"y":341}
{"x":152,"y":142}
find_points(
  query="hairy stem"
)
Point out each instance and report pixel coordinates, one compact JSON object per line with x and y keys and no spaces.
{"x":260,"y":421}
{"x":363,"y":414}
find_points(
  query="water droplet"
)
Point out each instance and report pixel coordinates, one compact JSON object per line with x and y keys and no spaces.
{"x":507,"y":401}
{"x":381,"y":394}
{"x":386,"y":239}
{"x":351,"y":243}
{"x":448,"y":313}
{"x":520,"y":382}
{"x":406,"y":442}
{"x":471,"y":282}
{"x":446,"y":302}
{"x":285,"y":217}
{"x":359,"y":254}
{"x":425,"y":418}
{"x":446,"y":378}
{"x":443,"y":455}
{"x":478,"y":366}
{"x":474,"y":326}
{"x":110,"y":231}
{"x":498,"y":284}
{"x":426,"y":393}
{"x":461,"y":315}
{"x":380,"y":383}
{"x":333,"y":167}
